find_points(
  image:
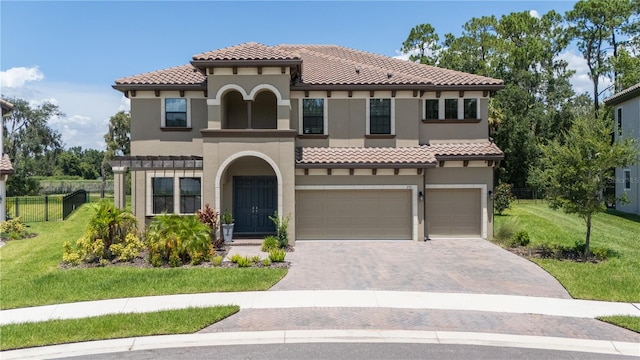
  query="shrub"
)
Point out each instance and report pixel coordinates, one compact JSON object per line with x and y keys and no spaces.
{"x":270,"y":242}
{"x":282,"y":225}
{"x":235,"y":258}
{"x":502,"y":198}
{"x":244,"y":261}
{"x":266,"y":262}
{"x":602,"y":253}
{"x":520,"y":238}
{"x":178,"y":239}
{"x":128,"y":250}
{"x":86,"y":250}
{"x":507,"y":229}
{"x":217,"y":260}
{"x":209,"y":217}
{"x":111,"y":225}
{"x":256,"y":259}
{"x":13,"y":229}
{"x":277,"y":255}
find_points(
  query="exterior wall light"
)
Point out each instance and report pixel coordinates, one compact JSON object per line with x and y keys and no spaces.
{"x":420,"y":196}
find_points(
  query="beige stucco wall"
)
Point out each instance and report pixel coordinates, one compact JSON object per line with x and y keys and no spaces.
{"x":148,"y":138}
{"x":220,"y":161}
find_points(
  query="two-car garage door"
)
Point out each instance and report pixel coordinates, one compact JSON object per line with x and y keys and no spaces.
{"x":384,"y":214}
{"x":354,"y":214}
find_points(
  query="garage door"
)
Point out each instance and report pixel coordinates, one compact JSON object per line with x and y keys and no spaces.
{"x":353,"y":214}
{"x":454,"y":212}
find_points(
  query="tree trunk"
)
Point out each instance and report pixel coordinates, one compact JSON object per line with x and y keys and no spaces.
{"x":586,"y":244}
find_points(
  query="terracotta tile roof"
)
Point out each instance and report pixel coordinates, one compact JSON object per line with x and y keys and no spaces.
{"x":5,"y":165}
{"x":424,"y":154}
{"x":179,"y":75}
{"x":623,"y":95}
{"x":321,"y":65}
{"x":465,"y":149}
{"x":363,"y":155}
{"x":337,"y":56}
{"x":247,"y":51}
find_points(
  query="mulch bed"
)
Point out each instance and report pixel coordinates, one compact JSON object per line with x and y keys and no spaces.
{"x":538,"y":252}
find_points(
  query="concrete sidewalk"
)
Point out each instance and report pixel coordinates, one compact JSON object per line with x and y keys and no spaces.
{"x":328,"y":299}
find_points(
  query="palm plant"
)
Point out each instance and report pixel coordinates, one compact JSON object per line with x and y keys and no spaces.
{"x":111,"y":225}
{"x":174,"y":236}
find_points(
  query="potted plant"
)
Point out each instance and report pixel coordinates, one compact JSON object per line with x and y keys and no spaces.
{"x":227,"y":226}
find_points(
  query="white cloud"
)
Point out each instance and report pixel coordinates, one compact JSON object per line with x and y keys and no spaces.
{"x":18,"y":76}
{"x":87,"y":108}
{"x":581,"y":81}
{"x":534,"y":13}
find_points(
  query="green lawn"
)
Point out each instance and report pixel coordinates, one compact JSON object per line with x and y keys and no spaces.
{"x":183,"y":321}
{"x":616,"y":279}
{"x":31,"y":276}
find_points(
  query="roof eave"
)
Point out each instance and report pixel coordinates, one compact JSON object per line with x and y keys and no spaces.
{"x":203,"y":64}
{"x":468,"y":157}
{"x":365,"y":165}
{"x":129,"y":87}
{"x":615,"y":100}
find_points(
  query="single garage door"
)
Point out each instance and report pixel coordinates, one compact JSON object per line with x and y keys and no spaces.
{"x":353,"y":214}
{"x":454,"y":212}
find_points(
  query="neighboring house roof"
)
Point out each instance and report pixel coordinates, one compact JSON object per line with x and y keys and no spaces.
{"x":6,"y":106}
{"x":319,"y":66}
{"x":425,"y":155}
{"x":5,"y":165}
{"x":624,"y":95}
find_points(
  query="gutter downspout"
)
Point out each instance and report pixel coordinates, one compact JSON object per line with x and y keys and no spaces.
{"x":424,"y":204}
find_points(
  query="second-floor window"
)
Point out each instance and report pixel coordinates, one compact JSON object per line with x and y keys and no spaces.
{"x":162,"y":195}
{"x":450,"y":108}
{"x":380,"y":117}
{"x":175,"y":112}
{"x":619,"y":115}
{"x":432,"y":109}
{"x":313,"y":116}
{"x":470,"y":108}
{"x":190,"y":197}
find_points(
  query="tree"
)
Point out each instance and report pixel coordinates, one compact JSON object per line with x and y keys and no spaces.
{"x":31,"y":144}
{"x":599,"y":27}
{"x":424,"y":40}
{"x":576,"y":173}
{"x":118,"y":140}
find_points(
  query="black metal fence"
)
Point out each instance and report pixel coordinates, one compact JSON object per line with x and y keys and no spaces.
{"x":45,"y":208}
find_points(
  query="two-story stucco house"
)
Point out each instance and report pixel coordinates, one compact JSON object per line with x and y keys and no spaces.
{"x":348,"y":144}
{"x":626,"y":109}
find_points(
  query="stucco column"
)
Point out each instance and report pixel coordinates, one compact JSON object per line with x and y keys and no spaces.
{"x":3,"y":195}
{"x":119,"y":192}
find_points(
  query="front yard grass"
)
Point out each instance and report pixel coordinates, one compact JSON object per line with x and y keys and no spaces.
{"x":183,"y":321}
{"x":615,"y":279}
{"x":31,"y":276}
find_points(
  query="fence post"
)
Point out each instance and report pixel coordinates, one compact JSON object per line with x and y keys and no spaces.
{"x":46,"y":208}
{"x":17,"y":207}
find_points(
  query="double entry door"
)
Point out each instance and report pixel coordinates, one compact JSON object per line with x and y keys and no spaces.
{"x":255,"y":198}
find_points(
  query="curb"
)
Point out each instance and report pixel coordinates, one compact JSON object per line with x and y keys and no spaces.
{"x":325,"y":336}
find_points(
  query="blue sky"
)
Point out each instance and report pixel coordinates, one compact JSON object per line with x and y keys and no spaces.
{"x":71,"y":52}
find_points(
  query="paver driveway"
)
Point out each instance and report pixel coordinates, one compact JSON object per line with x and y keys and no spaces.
{"x":452,"y":265}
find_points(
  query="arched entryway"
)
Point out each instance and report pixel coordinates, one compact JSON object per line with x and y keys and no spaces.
{"x":249,"y":185}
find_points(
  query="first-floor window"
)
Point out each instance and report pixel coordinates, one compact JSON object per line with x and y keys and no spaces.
{"x":162,"y":195}
{"x":626,"y":174}
{"x":313,"y":116}
{"x":450,"y":108}
{"x":189,"y":195}
{"x":380,"y":116}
